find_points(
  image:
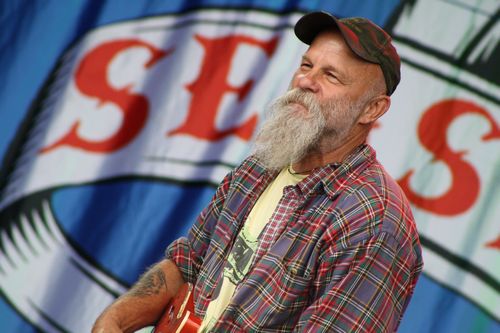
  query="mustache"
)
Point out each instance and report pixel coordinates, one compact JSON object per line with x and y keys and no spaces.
{"x":299,"y":96}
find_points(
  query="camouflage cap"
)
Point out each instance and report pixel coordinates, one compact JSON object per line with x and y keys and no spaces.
{"x":364,"y":38}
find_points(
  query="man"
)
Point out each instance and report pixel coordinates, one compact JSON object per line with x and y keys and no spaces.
{"x":309,"y":234}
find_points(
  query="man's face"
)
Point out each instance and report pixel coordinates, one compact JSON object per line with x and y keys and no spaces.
{"x":325,"y":99}
{"x":330,"y":70}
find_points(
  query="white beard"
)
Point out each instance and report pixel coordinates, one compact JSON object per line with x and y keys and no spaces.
{"x":288,"y":134}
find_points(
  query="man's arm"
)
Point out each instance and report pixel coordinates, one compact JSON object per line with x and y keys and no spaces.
{"x":144,"y":303}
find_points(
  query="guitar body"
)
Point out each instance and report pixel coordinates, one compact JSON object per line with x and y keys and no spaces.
{"x":179,"y":315}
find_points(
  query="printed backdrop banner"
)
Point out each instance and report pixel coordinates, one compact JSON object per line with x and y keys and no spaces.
{"x":120,"y":118}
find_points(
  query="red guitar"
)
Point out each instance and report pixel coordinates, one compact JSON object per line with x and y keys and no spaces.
{"x":179,"y":316}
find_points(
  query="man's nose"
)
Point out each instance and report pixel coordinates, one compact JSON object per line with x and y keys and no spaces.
{"x":308,"y":81}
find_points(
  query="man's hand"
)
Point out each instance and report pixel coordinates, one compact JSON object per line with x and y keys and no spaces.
{"x":144,"y":303}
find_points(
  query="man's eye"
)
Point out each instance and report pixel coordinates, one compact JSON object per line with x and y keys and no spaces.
{"x":305,"y":65}
{"x":332,"y":76}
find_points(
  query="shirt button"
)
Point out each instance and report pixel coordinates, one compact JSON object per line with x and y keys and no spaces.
{"x":294,"y":271}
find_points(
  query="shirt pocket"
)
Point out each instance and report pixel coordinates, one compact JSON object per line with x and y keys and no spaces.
{"x":293,"y":278}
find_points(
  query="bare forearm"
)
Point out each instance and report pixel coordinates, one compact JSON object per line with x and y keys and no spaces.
{"x":144,"y":303}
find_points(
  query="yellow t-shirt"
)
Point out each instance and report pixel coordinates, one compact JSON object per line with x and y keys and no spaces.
{"x":240,"y":258}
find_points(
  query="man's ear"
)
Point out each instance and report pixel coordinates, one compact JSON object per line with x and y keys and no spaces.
{"x":375,"y":109}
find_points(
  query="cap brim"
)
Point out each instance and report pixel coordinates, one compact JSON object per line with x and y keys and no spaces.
{"x":309,"y":25}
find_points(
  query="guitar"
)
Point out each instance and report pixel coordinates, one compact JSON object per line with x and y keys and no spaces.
{"x":179,"y":315}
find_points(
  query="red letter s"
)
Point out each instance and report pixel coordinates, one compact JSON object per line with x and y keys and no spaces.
{"x":432,"y":131}
{"x":91,"y":79}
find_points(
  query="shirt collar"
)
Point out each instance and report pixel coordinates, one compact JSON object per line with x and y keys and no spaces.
{"x":333,"y":178}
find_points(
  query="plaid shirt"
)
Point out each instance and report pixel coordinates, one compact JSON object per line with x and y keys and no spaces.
{"x":340,"y":253}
